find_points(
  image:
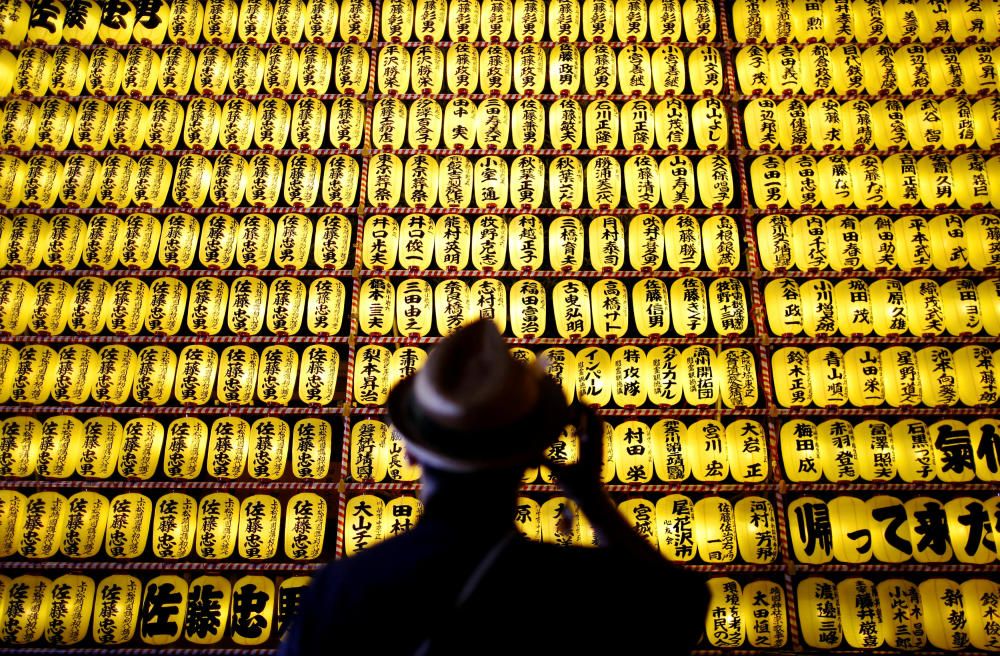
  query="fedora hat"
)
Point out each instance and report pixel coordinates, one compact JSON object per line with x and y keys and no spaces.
{"x":472,"y":406}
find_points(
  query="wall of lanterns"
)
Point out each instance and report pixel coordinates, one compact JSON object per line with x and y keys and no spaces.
{"x":758,"y":236}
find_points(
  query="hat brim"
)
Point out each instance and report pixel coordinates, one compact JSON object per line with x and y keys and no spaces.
{"x":520,"y":443}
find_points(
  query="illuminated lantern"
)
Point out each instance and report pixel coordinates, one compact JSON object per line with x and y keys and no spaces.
{"x":451,"y":302}
{"x":369,"y":456}
{"x":738,"y":383}
{"x":915,"y":453}
{"x":35,"y":374}
{"x":767,"y":180}
{"x":756,"y":529}
{"x":937,"y":375}
{"x":340,"y":181}
{"x":715,"y":181}
{"x":721,"y":237}
{"x":142,"y":442}
{"x":427,"y":70}
{"x":603,"y":182}
{"x":527,"y":308}
{"x":979,"y":599}
{"x":19,"y":125}
{"x":115,"y":372}
{"x":53,"y":301}
{"x":676,"y":180}
{"x":495,"y":70}
{"x":197,"y":367}
{"x":560,"y":366}
{"x":414,"y":307}
{"x":819,"y":312}
{"x":218,"y":523}
{"x":566,"y":244}
{"x":128,"y":526}
{"x":861,"y":613}
{"x":853,"y":306}
{"x":724,"y":624}
{"x":174,"y":522}
{"x":959,"y":132}
{"x":80,"y":177}
{"x":843,"y":235}
{"x":377,"y":306}
{"x":715,"y":531}
{"x":982,"y":246}
{"x":364,"y":523}
{"x":637,"y":125}
{"x":12,"y":172}
{"x":820,"y":622}
{"x":594,"y":383}
{"x":664,"y":384}
{"x":71,"y":605}
{"x":75,"y":373}
{"x":393,"y":72}
{"x":488,"y":300}
{"x":18,"y":302}
{"x":565,"y":68}
{"x":27,"y":238}
{"x":236,"y":132}
{"x":708,"y":450}
{"x":671,"y":452}
{"x":228,"y":444}
{"x":689,"y":306}
{"x":21,"y":443}
{"x":292,"y":239}
{"x":55,"y":124}
{"x":208,"y":306}
{"x":800,"y":451}
{"x":924,"y":309}
{"x":184,"y":448}
{"x":948,"y":242}
{"x":944,"y":613}
{"x":600,"y":69}
{"x":15,"y":28}
{"x":324,"y":313}
{"x":876,"y":450}
{"x":836,"y":185}
{"x":246,"y":69}
{"x":305,"y":522}
{"x":25,"y":621}
{"x":33,"y":72}
{"x":904,"y":624}
{"x":260,"y":517}
{"x":652,"y":307}
{"x":888,"y":307}
{"x":753,"y":70}
{"x":269,"y":439}
{"x":986,"y":123}
{"x":864,"y":376}
{"x":977,"y":63}
{"x":276,"y":374}
{"x":527,"y":519}
{"x":969,"y":543}
{"x":154,"y":378}
{"x":609,"y":303}
{"x":211,"y":73}
{"x":460,"y":123}
{"x":571,"y":304}
{"x":633,"y":452}
{"x":903,"y":385}
{"x":59,"y":448}
{"x":670,"y":114}
{"x":247,"y":303}
{"x":11,"y":521}
{"x":607,"y":243}
{"x":47,"y":512}
{"x":43,"y":180}
{"x":9,"y":357}
{"x":774,"y":237}
{"x":936,"y":181}
{"x":371,"y":385}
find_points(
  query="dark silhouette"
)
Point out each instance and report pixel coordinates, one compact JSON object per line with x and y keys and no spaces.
{"x":463,"y":580}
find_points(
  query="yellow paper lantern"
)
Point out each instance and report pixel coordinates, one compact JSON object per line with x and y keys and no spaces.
{"x":260,"y":517}
{"x":27,"y":617}
{"x":228,"y":444}
{"x":305,"y":524}
{"x":128,"y":526}
{"x":141,"y":444}
{"x":724,"y":622}
{"x":311,"y":441}
{"x":218,"y":523}
{"x":756,"y":530}
{"x":707,"y":446}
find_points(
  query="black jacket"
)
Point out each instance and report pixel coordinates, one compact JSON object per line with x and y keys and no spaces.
{"x":536,"y":599}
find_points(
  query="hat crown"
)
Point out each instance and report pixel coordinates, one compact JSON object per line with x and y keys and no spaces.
{"x":470,"y":381}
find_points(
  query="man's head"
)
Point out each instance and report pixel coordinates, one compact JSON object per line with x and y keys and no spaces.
{"x":472,"y":407}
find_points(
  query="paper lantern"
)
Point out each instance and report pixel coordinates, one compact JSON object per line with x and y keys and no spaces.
{"x":675,"y":527}
{"x":715,"y":181}
{"x":311,"y":440}
{"x":767,"y":180}
{"x":561,"y":366}
{"x":877,"y":454}
{"x":211,"y":73}
{"x":560,"y":522}
{"x":70,"y":609}
{"x":27,"y":617}
{"x":756,"y":530}
{"x":914,"y":450}
{"x":21,"y":441}
{"x":218,"y":523}
{"x":214,"y":592}
{"x":174,"y":523}
{"x":305,"y":524}
{"x":12,"y":172}
{"x":959,"y":131}
{"x":17,"y":301}
{"x":527,"y":308}
{"x":904,"y":625}
{"x":594,"y":383}
{"x":752,"y":70}
{"x":60,"y":446}
{"x":724,"y":623}
{"x":9,"y":361}
{"x":168,"y":297}
{"x":652,"y":307}
{"x":967,"y":530}
{"x":979,"y":599}
{"x":169,"y":595}
{"x":217,"y":245}
{"x":567,"y":180}
{"x":197,"y":367}
{"x":230,"y":176}
{"x":252,"y":627}
{"x":75,"y":373}
{"x":671,"y":457}
{"x":819,"y":311}
{"x":369,"y":455}
{"x":236,"y":132}
{"x":12,"y":514}
{"x":247,"y":303}
{"x":861,"y":613}
{"x":42,"y":181}
{"x":35,"y":374}
{"x":55,"y":124}
{"x":286,"y":303}
{"x":377,"y":306}
{"x":637,"y":125}
{"x":488,"y":300}
{"x":800,"y":451}
{"x":738,"y":383}
{"x":19,"y":126}
{"x":689,"y":306}
{"x":677,"y":182}
{"x":633,"y":452}
{"x":371,"y":382}
{"x":207,"y":309}
{"x":853,"y":529}
{"x":985,"y":124}
{"x":228,"y":444}
{"x":889,"y":518}
{"x":944,"y":613}
{"x":527,"y":519}
{"x":276,"y":374}
{"x":707,"y":447}
{"x":404,"y":363}
{"x":864,"y":376}
{"x":116,"y":370}
{"x":820,"y":612}
{"x":141,"y":443}
{"x":609,"y":301}
{"x":364,"y":523}
{"x":128,"y":525}
{"x":184,"y":448}
{"x":260,"y":517}
{"x":715,"y":531}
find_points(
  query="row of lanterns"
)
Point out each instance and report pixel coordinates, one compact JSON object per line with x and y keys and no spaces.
{"x":853,"y":307}
{"x":849,"y":69}
{"x":628,"y":377}
{"x":216,"y":527}
{"x":856,"y":613}
{"x":859,"y":124}
{"x":130,"y":124}
{"x":949,"y":451}
{"x":869,"y":21}
{"x":116,"y":374}
{"x":130,"y":306}
{"x":645,"y":242}
{"x":323,"y":21}
{"x":879,"y":243}
{"x":63,"y":446}
{"x":900,"y":181}
{"x":635,"y":453}
{"x":120,"y":608}
{"x":412,"y":306}
{"x":897,"y":376}
{"x":886,"y":529}
{"x":140,"y":241}
{"x":318,"y":69}
{"x":417,"y":181}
